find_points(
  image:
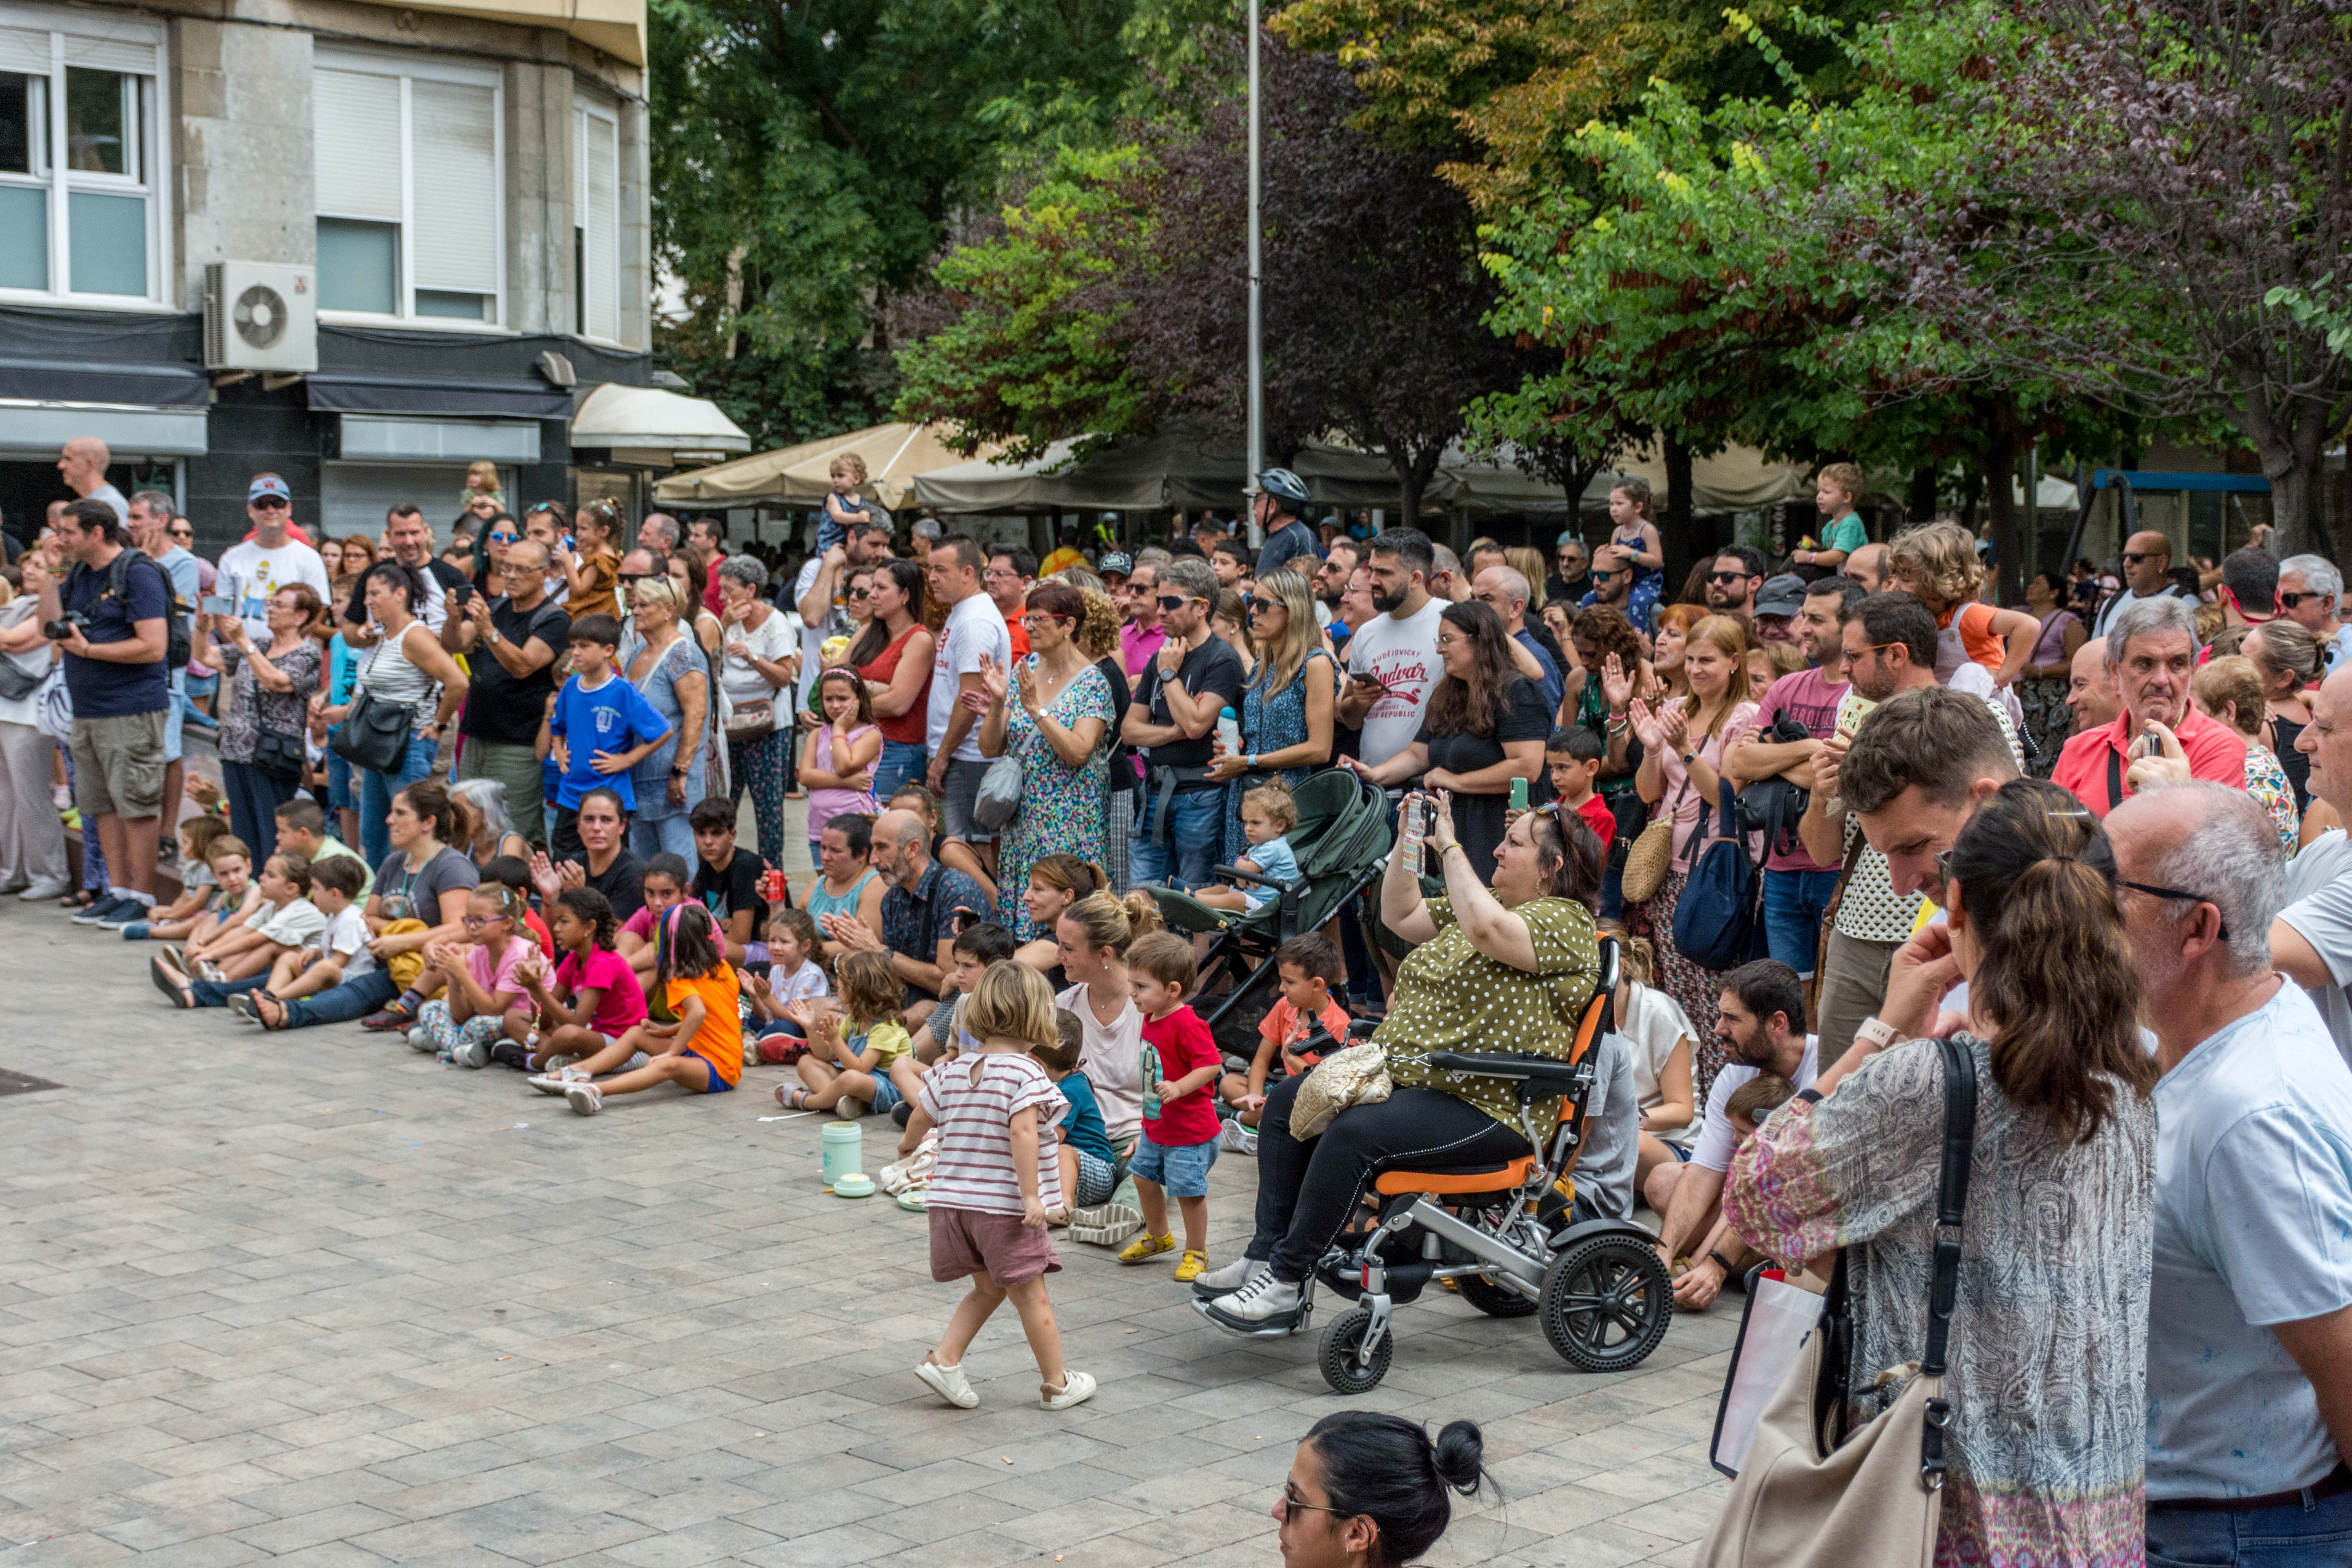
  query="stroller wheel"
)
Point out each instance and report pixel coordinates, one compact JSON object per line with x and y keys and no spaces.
{"x":1494,"y":1300}
{"x":1606,"y":1303}
{"x":1342,"y":1344}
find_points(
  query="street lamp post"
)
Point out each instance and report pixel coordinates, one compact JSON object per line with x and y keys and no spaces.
{"x":1256,"y":314}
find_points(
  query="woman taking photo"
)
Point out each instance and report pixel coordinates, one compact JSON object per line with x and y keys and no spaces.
{"x":893,"y":656}
{"x":2289,"y":660}
{"x":1682,"y":739}
{"x":1285,"y":717}
{"x":2048,"y":1466}
{"x":1058,"y":730}
{"x":264,"y":735}
{"x":1486,"y":725}
{"x":407,"y":668}
{"x":668,"y":667}
{"x":761,"y":654}
{"x":1369,"y":1490}
{"x":1489,"y":970}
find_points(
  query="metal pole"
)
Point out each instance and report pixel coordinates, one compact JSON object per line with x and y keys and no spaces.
{"x":1256,"y":313}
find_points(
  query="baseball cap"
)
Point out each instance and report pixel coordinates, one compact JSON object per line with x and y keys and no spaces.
{"x":1782,"y":595}
{"x":267,"y":485}
{"x":1114,"y":563}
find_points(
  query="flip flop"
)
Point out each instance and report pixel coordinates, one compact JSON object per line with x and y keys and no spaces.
{"x":261,"y":1018}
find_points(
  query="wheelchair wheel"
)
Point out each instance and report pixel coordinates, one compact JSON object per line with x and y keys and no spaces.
{"x":1494,"y":1300}
{"x":1606,"y":1303}
{"x":1340,"y":1341}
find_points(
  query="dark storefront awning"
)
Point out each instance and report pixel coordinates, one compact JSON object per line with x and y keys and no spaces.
{"x":148,"y":385}
{"x":377,"y":392}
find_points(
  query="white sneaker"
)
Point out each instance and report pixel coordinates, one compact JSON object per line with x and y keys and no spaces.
{"x":1264,"y":1301}
{"x":557,"y":1081}
{"x":475,"y":1054}
{"x":951,"y":1384}
{"x":47,"y":888}
{"x":1105,"y":1225}
{"x":585,"y":1098}
{"x":420,"y":1040}
{"x":1231,"y":1277}
{"x":849,"y":1107}
{"x":1236,"y":1139}
{"x":1077,"y":1387}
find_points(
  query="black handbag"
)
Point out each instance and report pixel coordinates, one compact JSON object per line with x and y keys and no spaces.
{"x":373,"y":735}
{"x":279,"y":758}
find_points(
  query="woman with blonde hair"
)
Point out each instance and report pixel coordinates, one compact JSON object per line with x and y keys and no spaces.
{"x":1093,"y":936}
{"x":1287,"y":707}
{"x":2230,"y":688}
{"x":1683,"y":740}
{"x":2291,"y":661}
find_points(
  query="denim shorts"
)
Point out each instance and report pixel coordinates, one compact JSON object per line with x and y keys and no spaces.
{"x":886,"y":1098}
{"x":1181,"y":1171}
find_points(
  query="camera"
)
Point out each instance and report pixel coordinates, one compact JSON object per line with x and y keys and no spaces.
{"x":62,"y":628}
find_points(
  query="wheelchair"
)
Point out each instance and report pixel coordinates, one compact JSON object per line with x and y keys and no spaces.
{"x":1598,"y":1287}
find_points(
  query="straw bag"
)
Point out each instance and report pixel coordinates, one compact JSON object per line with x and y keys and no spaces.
{"x":1651,"y":856}
{"x":1812,"y":1496}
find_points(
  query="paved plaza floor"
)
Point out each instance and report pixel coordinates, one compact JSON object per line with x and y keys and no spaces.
{"x":317,"y":1299}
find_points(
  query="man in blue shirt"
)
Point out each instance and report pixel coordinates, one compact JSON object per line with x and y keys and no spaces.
{"x":918,"y":913}
{"x":1504,"y":590}
{"x":151,"y":532}
{"x":1281,"y":497}
{"x":114,"y":671}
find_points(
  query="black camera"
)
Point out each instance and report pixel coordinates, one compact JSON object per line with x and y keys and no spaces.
{"x":58,"y":630}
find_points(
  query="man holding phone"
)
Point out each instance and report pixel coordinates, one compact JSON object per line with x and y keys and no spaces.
{"x":2159,"y":737}
{"x":1392,"y":660}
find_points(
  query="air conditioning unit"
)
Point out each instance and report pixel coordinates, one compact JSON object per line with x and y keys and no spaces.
{"x":260,"y":316}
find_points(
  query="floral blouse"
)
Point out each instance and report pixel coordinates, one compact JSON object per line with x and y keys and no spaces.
{"x":256,"y":708}
{"x":2266,"y":781}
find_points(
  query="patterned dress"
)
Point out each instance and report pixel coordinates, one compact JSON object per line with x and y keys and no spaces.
{"x":2049,"y":1347}
{"x":1061,"y":807}
{"x":2266,"y":782}
{"x":1270,"y":723}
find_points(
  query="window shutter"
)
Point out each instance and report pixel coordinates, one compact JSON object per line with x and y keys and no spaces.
{"x":357,"y":118}
{"x":455,"y":191}
{"x":28,"y":52}
{"x":134,"y":55}
{"x":600,"y":185}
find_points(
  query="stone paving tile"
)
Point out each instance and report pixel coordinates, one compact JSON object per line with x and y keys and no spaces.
{"x":345,"y":1306}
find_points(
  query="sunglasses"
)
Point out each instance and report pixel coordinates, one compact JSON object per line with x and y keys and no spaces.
{"x":1725,"y":576}
{"x":859,"y":596}
{"x":1172,"y":600}
{"x":2291,"y":600}
{"x":183,"y":532}
{"x":271,"y":503}
{"x":2133,"y":557}
{"x":1291,"y":1499}
{"x":503,"y":538}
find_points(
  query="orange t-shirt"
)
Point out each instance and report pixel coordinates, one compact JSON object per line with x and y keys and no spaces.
{"x":1977,"y":639}
{"x":719,"y":1040}
{"x":1285,"y":1027}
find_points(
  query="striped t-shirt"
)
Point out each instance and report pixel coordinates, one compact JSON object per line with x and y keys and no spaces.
{"x":974,"y":1119}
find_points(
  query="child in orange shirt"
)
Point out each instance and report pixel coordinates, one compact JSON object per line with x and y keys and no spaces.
{"x":1937,"y":565}
{"x":703,"y":1050}
{"x":1308,"y":967}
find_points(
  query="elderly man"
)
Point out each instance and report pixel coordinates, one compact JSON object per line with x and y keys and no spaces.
{"x":1571,"y":576}
{"x":1777,"y":604}
{"x":1867,"y":566}
{"x":512,"y":644}
{"x":1504,"y":591}
{"x":82,"y":464}
{"x":918,"y":913}
{"x":2147,"y":558}
{"x":658,"y":533}
{"x":2309,"y":587}
{"x":1447,"y":580}
{"x":2310,"y":942}
{"x":2250,"y":1295}
{"x":2151,"y":654}
{"x":2091,"y":688}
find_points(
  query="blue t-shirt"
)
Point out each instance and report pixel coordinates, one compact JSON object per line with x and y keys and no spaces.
{"x":102,"y":689}
{"x":1554,"y":684}
{"x":1286,"y":544}
{"x":614,"y":717}
{"x":1274,"y":859}
{"x":1082,"y":1128}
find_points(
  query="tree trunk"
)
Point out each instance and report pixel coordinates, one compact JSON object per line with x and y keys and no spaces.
{"x":1675,"y":528}
{"x":1919,"y":506}
{"x":2000,"y":505}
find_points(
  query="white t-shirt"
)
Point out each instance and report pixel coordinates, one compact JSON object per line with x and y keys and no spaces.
{"x":812,"y":634}
{"x":345,"y":936}
{"x":250,"y":574}
{"x":772,"y":640}
{"x":1717,"y":1139}
{"x":293,"y":925}
{"x":1403,"y":655}
{"x":974,"y":627}
{"x":1653,"y":1025}
{"x":2319,"y":907}
{"x":114,"y":499}
{"x":802,"y":983}
{"x":2253,"y":1227}
{"x":1112,"y":1060}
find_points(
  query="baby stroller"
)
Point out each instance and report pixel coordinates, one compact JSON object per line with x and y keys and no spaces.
{"x":1497,"y":1232}
{"x":1340,"y":840}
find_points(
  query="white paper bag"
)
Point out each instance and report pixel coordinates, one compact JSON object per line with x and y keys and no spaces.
{"x":1781,"y":1317}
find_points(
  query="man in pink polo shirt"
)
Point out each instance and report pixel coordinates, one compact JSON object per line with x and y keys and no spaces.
{"x":2151,"y":653}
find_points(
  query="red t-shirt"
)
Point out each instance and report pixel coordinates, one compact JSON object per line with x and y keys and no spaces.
{"x":539,"y":929}
{"x":1184,"y":1046}
{"x":1600,"y":818}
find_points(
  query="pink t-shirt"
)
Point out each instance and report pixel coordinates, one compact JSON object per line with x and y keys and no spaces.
{"x":640,"y":924}
{"x":624,"y":1004}
{"x":497,"y":976}
{"x":1683,"y":795}
{"x":975,"y":1169}
{"x":1809,"y":698}
{"x":824,"y":804}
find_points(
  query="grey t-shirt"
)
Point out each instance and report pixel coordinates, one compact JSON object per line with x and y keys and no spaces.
{"x":2319,"y":907}
{"x":1612,"y":1134}
{"x":416,"y":894}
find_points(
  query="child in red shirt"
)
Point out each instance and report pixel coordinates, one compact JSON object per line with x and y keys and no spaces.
{"x":1574,"y":755}
{"x":1308,"y":967}
{"x":1180,"y":1065}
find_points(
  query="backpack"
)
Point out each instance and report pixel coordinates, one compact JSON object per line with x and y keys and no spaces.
{"x":179,"y":641}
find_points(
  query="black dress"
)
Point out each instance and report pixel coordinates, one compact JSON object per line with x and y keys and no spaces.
{"x":1519,"y":715}
{"x":2292,"y":763}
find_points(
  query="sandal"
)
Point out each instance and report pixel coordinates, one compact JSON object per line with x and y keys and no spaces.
{"x":792,"y":1096}
{"x":263,"y":999}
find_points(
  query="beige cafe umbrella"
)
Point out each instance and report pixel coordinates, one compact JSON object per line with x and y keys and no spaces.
{"x":801,"y":475}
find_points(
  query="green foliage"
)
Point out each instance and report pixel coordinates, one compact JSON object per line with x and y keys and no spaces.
{"x":2319,"y":308}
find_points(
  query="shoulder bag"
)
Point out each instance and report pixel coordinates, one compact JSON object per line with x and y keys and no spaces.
{"x":1653,"y":854}
{"x":1810,"y":1494}
{"x":374,"y":736}
{"x":1719,"y":919}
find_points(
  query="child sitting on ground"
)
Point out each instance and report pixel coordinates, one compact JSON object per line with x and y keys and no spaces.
{"x":1181,"y":1064}
{"x":169,"y":922}
{"x":594,"y":998}
{"x":337,"y":952}
{"x":1267,"y":813}
{"x":284,"y":918}
{"x":854,"y":1055}
{"x":481,"y":999}
{"x":231,"y":896}
{"x":1308,"y":967}
{"x":665,"y":881}
{"x":973,"y":950}
{"x":702,"y":1050}
{"x":513,"y":873}
{"x":795,"y":975}
{"x":1574,"y":755}
{"x":1091,"y":1168}
{"x":999,"y":1174}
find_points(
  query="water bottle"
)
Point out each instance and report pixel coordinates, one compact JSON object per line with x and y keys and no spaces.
{"x":1229,"y":732}
{"x":1151,"y":1083}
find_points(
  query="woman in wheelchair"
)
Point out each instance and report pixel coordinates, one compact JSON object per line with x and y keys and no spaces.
{"x":1493,"y":968}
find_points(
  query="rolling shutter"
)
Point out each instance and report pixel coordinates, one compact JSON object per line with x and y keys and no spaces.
{"x":455,"y":191}
{"x":357,"y":136}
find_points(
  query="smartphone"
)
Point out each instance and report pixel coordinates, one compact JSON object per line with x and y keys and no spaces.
{"x":1518,"y":794}
{"x":459,"y":593}
{"x":1416,"y":829}
{"x":217,"y":605}
{"x":2147,"y":745}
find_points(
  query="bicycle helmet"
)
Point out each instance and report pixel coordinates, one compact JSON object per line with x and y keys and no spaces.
{"x":1284,"y":487}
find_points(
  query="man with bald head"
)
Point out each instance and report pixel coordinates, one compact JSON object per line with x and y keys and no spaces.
{"x":1867,"y":566}
{"x":2091,"y":689}
{"x":919,"y":914}
{"x":2249,"y":1289}
{"x":2147,"y":558}
{"x":83,"y":463}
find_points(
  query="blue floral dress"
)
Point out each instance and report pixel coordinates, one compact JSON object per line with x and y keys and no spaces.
{"x":1270,"y":723}
{"x":1061,"y":807}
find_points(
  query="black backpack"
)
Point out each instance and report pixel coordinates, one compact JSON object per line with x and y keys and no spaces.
{"x":179,"y":642}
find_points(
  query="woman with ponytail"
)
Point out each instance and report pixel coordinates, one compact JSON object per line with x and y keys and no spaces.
{"x":1092,"y":936}
{"x":2045,"y":1466}
{"x":1369,"y":1490}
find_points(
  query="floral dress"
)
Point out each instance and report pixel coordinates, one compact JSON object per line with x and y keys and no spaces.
{"x":2048,"y":1367}
{"x":2266,"y":781}
{"x":1061,"y":807}
{"x":1270,"y":723}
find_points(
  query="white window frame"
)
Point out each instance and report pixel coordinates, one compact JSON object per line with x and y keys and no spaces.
{"x":154,"y":157}
{"x":406,"y":70}
{"x":587,"y":109}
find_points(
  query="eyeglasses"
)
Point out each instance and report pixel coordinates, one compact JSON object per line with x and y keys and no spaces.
{"x":1291,"y":1499}
{"x":1039,"y":618}
{"x":2154,"y":892}
{"x":476,"y":923}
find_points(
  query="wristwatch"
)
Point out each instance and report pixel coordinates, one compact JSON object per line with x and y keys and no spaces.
{"x":490,"y":634}
{"x":1877,"y":1032}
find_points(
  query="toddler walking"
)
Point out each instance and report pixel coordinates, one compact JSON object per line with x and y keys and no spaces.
{"x":999,"y":1172}
{"x":1180,"y":1065}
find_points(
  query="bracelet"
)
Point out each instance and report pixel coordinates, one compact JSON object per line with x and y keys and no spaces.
{"x":1443,"y":849}
{"x":1722,"y":1262}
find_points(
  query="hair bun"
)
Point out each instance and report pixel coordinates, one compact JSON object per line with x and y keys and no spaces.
{"x":1458,"y":1451}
